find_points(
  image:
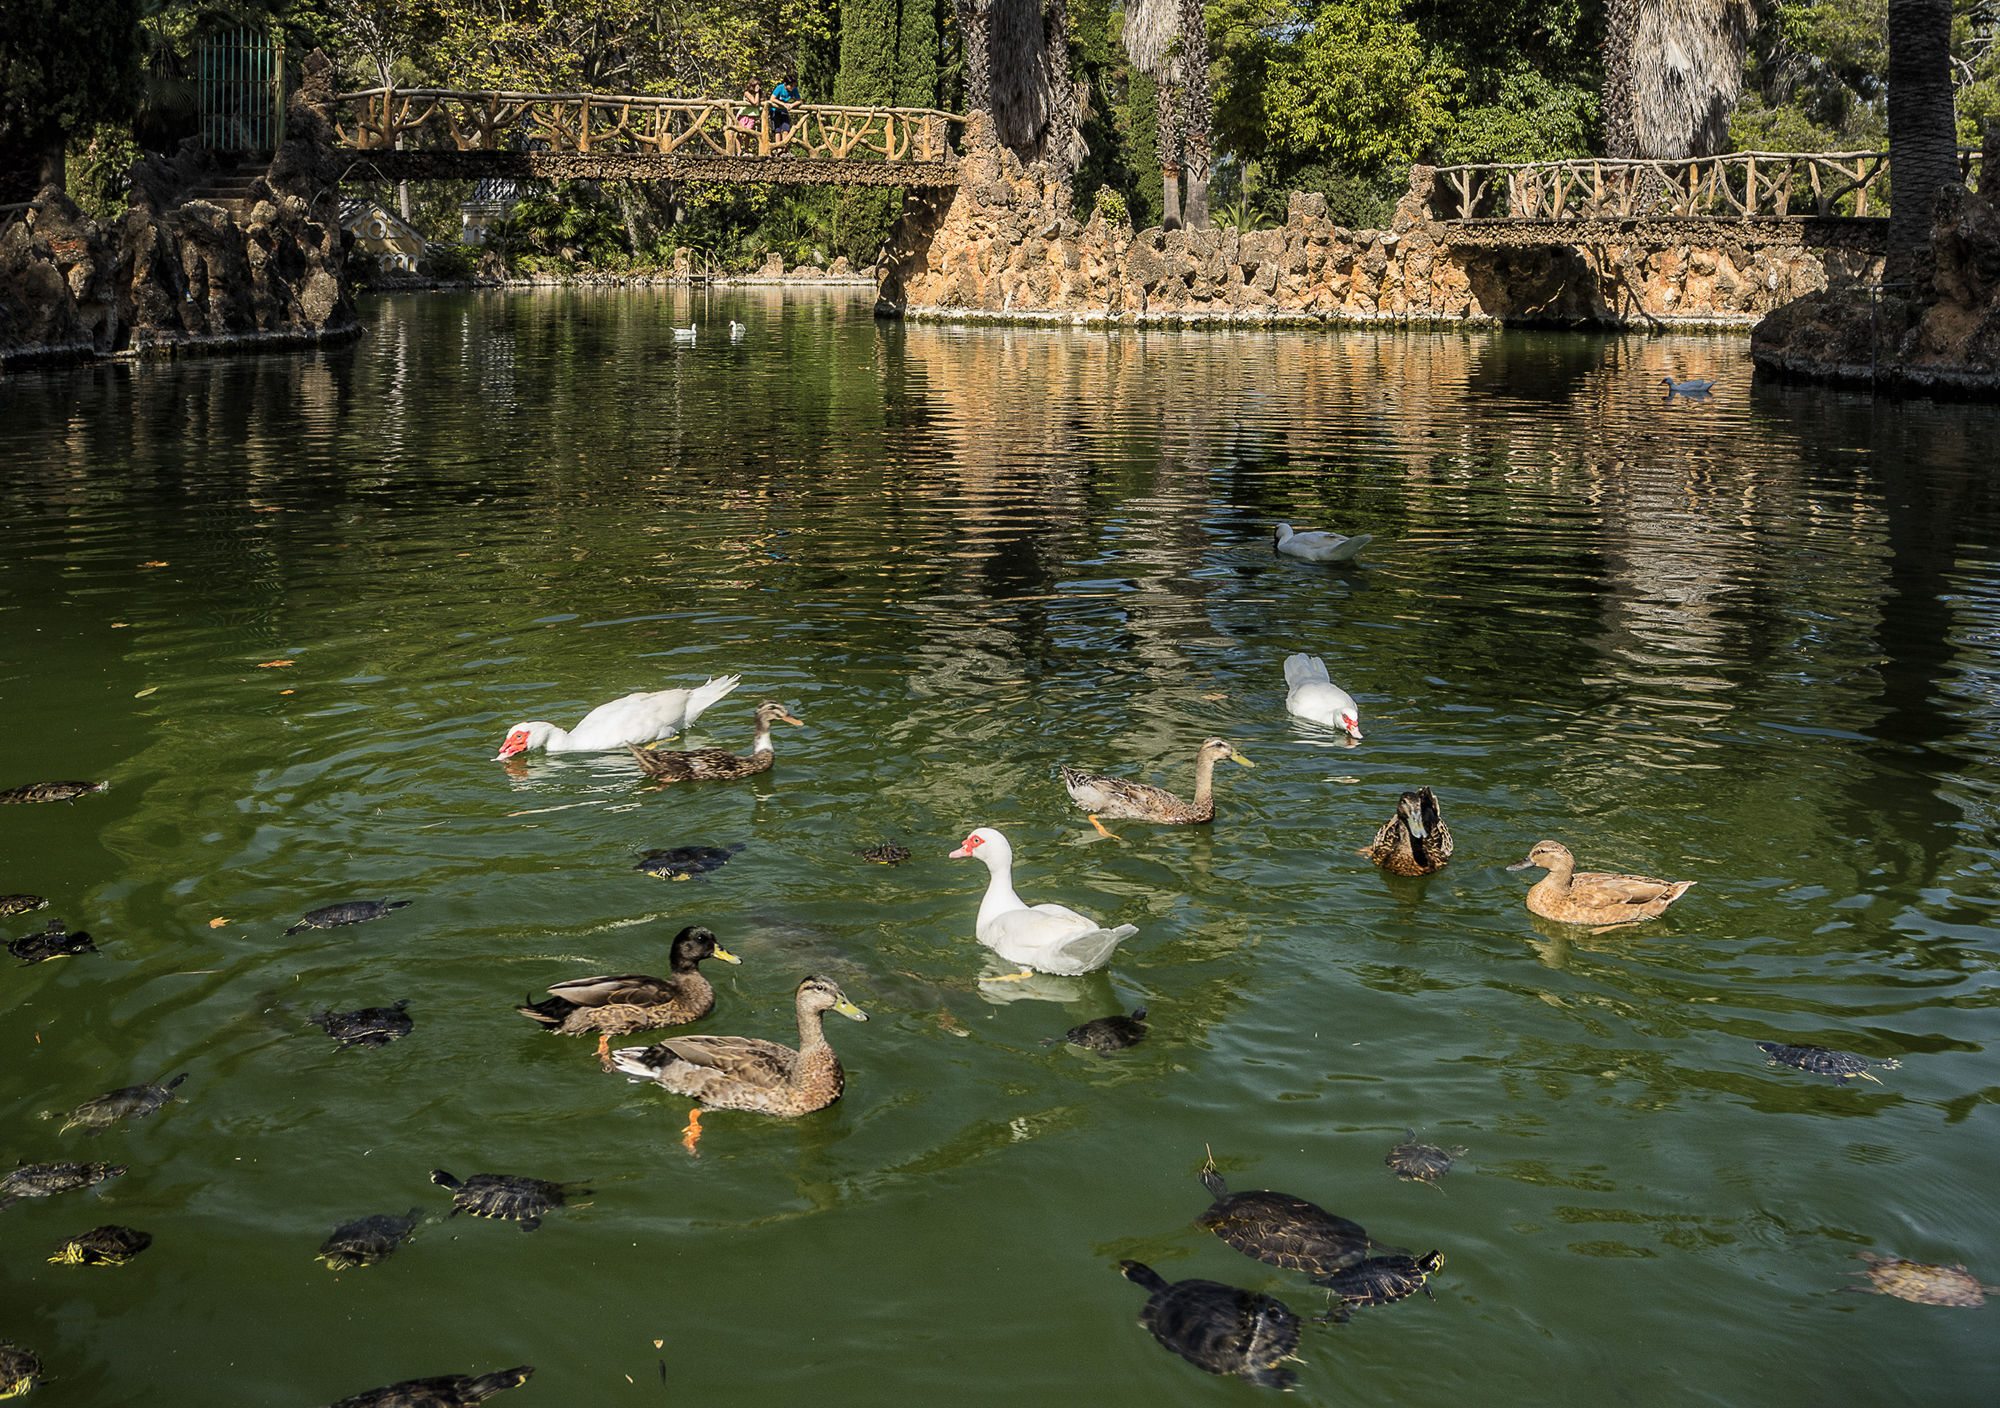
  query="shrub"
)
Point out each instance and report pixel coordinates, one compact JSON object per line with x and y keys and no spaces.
{"x":1110,"y":207}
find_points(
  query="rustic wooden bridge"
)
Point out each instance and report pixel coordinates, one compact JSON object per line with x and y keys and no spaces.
{"x":435,"y":133}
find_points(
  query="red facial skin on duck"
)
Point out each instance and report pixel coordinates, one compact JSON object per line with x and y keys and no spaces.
{"x":972,"y":843}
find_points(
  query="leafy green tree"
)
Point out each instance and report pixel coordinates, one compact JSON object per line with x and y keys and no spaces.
{"x":64,"y":67}
{"x":1358,"y":85}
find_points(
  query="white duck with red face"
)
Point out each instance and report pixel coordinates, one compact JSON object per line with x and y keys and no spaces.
{"x":1043,"y":938}
{"x":1312,"y":695}
{"x":637,"y":718}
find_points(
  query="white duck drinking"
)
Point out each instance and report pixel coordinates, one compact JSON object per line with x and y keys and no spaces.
{"x":637,"y":718}
{"x":1318,"y":547}
{"x":1313,"y":696}
{"x":1044,"y":938}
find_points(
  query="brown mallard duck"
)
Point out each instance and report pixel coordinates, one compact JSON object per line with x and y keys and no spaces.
{"x":620,"y":1004}
{"x":1571,"y":896}
{"x":1124,"y":800}
{"x":744,"y":1073}
{"x":714,"y":764}
{"x":1415,"y":841}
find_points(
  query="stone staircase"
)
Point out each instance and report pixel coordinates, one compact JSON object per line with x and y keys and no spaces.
{"x":229,"y":185}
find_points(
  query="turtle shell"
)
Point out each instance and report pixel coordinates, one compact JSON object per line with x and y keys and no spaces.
{"x":11,"y":905}
{"x":18,"y":1370}
{"x":332,"y":916}
{"x":685,"y":862}
{"x":1843,"y":1066}
{"x":886,"y":853}
{"x":109,"y":1245}
{"x":367,"y":1240}
{"x":509,"y":1197}
{"x":47,"y":1180}
{"x":1381,"y":1280}
{"x":1923,"y":1282}
{"x":366,"y":1026}
{"x":54,"y":941}
{"x":444,"y":1391}
{"x":1107,"y":1034}
{"x":133,"y":1102}
{"x":1421,"y":1163}
{"x":1223,"y":1329}
{"x":1281,"y":1230}
{"x":49,"y":792}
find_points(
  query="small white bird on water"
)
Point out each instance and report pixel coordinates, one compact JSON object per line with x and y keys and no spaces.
{"x":637,"y":718}
{"x":1693,"y":390}
{"x":1313,"y":696}
{"x":1318,"y":547}
{"x":685,"y":334}
{"x":1046,"y":938}
{"x":736,"y":330}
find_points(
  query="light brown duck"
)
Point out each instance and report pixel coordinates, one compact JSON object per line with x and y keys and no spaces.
{"x":745,"y":1073}
{"x":1121,"y":799}
{"x":714,"y":764}
{"x":1572,"y":896}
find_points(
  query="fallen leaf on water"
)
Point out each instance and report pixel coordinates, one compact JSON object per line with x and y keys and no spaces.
{"x":288,"y":691}
{"x":1348,"y":780}
{"x":155,"y":563}
{"x":659,"y":1344}
{"x":120,"y":625}
{"x":1217,"y":696}
{"x":274,"y":664}
{"x":217,"y":922}
{"x":149,"y":689}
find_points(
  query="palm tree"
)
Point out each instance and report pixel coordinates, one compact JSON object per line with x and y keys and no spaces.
{"x":1923,"y":140}
{"x":1672,"y":72}
{"x":1621,"y":108}
{"x":1168,"y":40}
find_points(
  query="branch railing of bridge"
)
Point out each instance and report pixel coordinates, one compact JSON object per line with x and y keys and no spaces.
{"x":1738,"y":186}
{"x":405,"y":119}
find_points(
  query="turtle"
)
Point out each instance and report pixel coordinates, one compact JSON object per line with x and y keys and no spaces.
{"x":444,"y":1391}
{"x":133,"y":1102}
{"x":1223,"y":1329}
{"x":367,"y":1240}
{"x":1843,"y":1066}
{"x":1921,"y":1282}
{"x":1422,"y":1163}
{"x":11,"y":905}
{"x":507,"y":1196}
{"x":1107,"y":1034}
{"x":109,"y":1245}
{"x":332,"y":916}
{"x":1379,"y":1280}
{"x":47,"y":1180}
{"x":365,"y":1026}
{"x":53,"y":941}
{"x":886,"y":853}
{"x":685,"y":862}
{"x":49,"y":792}
{"x":1281,"y":1230}
{"x":18,"y":1370}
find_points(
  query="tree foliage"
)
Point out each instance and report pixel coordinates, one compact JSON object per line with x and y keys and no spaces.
{"x":65,"y":67}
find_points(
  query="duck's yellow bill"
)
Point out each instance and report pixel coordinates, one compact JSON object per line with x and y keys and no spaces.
{"x":848,"y":1009}
{"x":725,"y":955}
{"x":1236,"y":757}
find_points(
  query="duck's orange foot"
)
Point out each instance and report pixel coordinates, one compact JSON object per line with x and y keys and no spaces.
{"x":604,"y":1051}
{"x":691,"y":1136}
{"x":1101,"y":829}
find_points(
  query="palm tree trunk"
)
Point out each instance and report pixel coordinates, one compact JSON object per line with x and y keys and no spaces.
{"x":1620,"y":102}
{"x":1197,"y":106}
{"x":1923,"y":141}
{"x":1170,"y":154}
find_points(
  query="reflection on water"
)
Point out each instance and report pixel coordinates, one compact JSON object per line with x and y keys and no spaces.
{"x":1749,"y":642}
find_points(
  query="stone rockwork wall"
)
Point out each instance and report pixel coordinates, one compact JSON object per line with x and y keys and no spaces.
{"x":1005,"y":246}
{"x":177,"y":274}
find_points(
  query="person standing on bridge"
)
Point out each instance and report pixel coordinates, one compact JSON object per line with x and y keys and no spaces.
{"x":784,"y":97}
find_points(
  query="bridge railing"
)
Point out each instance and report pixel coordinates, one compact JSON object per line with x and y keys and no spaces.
{"x":418,"y":119}
{"x":1740,"y":185}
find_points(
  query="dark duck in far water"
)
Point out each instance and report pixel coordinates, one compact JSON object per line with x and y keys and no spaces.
{"x":348,"y":912}
{"x":53,"y":941}
{"x":49,"y":792}
{"x":634,"y":1002}
{"x":716,"y":764}
{"x":443,"y":1391}
{"x":1107,"y":1034}
{"x":1223,"y":1329}
{"x":1415,"y":841}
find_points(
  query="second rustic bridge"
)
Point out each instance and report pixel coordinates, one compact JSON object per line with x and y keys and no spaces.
{"x":436,"y":133}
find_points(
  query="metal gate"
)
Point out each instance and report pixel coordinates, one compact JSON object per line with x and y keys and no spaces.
{"x":240,"y":86}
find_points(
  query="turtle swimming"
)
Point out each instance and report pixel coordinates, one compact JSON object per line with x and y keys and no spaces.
{"x":133,"y":1102}
{"x":1422,"y":1163}
{"x":1843,"y":1066}
{"x":506,"y":1196}
{"x":110,"y":1245}
{"x":11,"y":905}
{"x":1281,"y":1230}
{"x":1223,"y":1329}
{"x":332,"y":916}
{"x":1379,"y":1280}
{"x":443,"y":1391}
{"x":1921,"y":1282}
{"x":49,"y":792}
{"x":366,"y":1026}
{"x":885,"y":853}
{"x":685,"y":862}
{"x":367,"y":1240}
{"x":18,"y":1370}
{"x":53,"y":941}
{"x":634,"y":1002}
{"x":1107,"y":1034}
{"x":47,"y":1180}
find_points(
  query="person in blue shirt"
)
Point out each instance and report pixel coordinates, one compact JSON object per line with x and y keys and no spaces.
{"x":784,"y":97}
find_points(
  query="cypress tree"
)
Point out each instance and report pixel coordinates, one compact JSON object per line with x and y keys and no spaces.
{"x":917,"y":48}
{"x":867,"y":76}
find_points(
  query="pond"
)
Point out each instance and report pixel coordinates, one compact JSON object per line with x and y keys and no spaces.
{"x":288,"y":606}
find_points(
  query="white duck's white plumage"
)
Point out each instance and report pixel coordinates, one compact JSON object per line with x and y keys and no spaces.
{"x":1319,"y":547}
{"x":637,"y":718}
{"x":1313,"y":696}
{"x":1046,"y":937}
{"x":736,"y":330}
{"x":685,"y":334}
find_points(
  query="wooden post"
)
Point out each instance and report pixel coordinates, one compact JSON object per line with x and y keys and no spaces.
{"x":583,"y":127}
{"x":763,"y":128}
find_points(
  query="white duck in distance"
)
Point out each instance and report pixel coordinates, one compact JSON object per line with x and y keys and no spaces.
{"x":1318,"y":547}
{"x":637,"y":718}
{"x":1312,"y":695}
{"x":1043,"y":938}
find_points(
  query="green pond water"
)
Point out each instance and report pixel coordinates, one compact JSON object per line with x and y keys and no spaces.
{"x":289,"y":605}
